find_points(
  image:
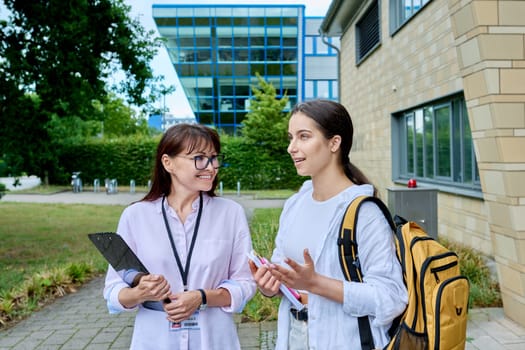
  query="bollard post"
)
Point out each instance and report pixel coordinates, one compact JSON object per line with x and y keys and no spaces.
{"x":76,"y":182}
{"x":112,"y":186}
{"x":238,"y":188}
{"x":96,"y":185}
{"x":132,"y":186}
{"x":149,"y":185}
{"x":220,"y":188}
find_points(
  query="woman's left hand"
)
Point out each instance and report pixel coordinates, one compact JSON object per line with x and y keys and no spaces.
{"x":300,"y":276}
{"x":183,"y":305}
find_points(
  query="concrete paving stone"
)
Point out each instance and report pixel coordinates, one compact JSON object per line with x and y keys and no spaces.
{"x":87,"y":332}
{"x":46,"y":347}
{"x":493,"y":312}
{"x":27,"y":343}
{"x":477,"y":317}
{"x":512,"y":326}
{"x":65,"y":334}
{"x":97,"y":346}
{"x":268,"y":326}
{"x":10,"y":341}
{"x":75,"y":343}
{"x":41,"y":334}
{"x":496,"y":329}
{"x":475,"y":333}
{"x":55,"y":341}
{"x":57,"y":324}
{"x":514,"y":347}
{"x":122,"y":341}
{"x":469,"y":346}
{"x":246,"y":331}
{"x":487,"y":342}
{"x":104,"y":338}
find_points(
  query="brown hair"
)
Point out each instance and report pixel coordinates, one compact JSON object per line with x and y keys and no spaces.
{"x":332,"y":118}
{"x":176,"y":140}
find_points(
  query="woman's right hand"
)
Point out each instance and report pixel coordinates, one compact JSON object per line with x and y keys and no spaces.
{"x":153,"y":287}
{"x":149,"y":287}
{"x":267,"y":284}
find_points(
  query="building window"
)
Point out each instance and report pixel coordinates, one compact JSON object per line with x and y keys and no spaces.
{"x":403,"y":10}
{"x":433,"y":143}
{"x":368,"y":32}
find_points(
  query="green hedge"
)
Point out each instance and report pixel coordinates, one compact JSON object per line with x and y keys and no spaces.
{"x":256,"y":167}
{"x":122,"y":159}
{"x":132,"y":159}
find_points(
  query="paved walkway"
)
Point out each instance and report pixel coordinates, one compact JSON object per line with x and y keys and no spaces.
{"x":81,"y":321}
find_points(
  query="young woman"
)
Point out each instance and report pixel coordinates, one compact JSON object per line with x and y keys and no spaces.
{"x":194,"y":245}
{"x":306,"y":251}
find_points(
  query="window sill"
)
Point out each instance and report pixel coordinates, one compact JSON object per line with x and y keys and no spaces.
{"x":459,"y":191}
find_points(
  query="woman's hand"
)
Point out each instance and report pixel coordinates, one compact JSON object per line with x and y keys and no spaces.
{"x":183,"y":305}
{"x":302,"y":277}
{"x":267,"y":284}
{"x":152,"y":287}
{"x":148,"y":287}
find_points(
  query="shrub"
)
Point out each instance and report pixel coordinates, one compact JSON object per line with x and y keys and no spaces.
{"x":132,"y":158}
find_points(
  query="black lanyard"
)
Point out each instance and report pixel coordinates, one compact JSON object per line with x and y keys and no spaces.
{"x":183,"y":272}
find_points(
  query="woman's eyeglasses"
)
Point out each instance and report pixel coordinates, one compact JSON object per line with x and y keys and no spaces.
{"x":202,"y":162}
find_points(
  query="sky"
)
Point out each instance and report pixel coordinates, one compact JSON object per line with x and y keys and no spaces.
{"x":161,"y":64}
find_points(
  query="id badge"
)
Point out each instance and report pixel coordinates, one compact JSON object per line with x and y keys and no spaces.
{"x":191,"y":323}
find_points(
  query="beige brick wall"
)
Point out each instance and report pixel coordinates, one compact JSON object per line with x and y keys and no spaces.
{"x":474,"y":46}
{"x":417,"y":65}
{"x":490,"y":36}
{"x":464,"y":220}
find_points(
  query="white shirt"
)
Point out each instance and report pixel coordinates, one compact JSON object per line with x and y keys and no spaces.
{"x":382,"y":296}
{"x":219,"y":261}
{"x":311,"y":223}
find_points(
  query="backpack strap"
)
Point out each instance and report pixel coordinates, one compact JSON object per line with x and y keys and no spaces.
{"x":349,"y":257}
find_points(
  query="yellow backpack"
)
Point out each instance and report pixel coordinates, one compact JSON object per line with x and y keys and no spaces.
{"x":436,"y":314}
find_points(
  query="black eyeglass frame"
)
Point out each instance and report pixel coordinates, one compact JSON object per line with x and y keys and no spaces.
{"x":216,"y":157}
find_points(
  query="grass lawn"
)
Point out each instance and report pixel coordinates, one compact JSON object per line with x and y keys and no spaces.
{"x":45,"y":248}
{"x":40,"y":237}
{"x":37,"y":239}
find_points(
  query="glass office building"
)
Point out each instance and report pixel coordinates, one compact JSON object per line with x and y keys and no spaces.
{"x":217,"y":51}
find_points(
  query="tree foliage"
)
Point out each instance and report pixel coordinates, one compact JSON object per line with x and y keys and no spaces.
{"x":55,"y":60}
{"x":266,"y":123}
{"x":65,"y":51}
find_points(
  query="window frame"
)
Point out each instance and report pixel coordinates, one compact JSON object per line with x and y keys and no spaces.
{"x":397,"y":13}
{"x":361,"y":34}
{"x":415,"y":147}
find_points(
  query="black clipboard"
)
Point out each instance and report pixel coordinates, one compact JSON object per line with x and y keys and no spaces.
{"x":117,"y":252}
{"x":125,"y":262}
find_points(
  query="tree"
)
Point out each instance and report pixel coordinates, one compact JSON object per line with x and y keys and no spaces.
{"x":55,"y":58}
{"x":264,"y":137}
{"x":121,"y":120}
{"x":266,"y":123}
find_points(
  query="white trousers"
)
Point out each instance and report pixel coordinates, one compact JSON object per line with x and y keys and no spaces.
{"x":298,"y":336}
